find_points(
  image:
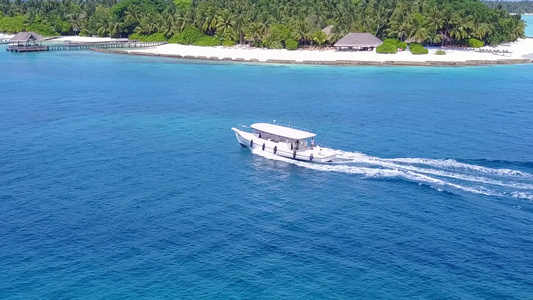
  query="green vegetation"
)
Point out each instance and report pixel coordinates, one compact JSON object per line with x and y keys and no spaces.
{"x":387,"y":48}
{"x":291,"y":44}
{"x":319,"y":37}
{"x":156,"y":37}
{"x":228,"y":43}
{"x":391,"y":46}
{"x":402,"y":45}
{"x":275,"y":45}
{"x":440,"y":52}
{"x":391,"y":41}
{"x":475,"y":43}
{"x":12,"y":24}
{"x":207,"y":40}
{"x":266,"y":23}
{"x":417,"y":48}
{"x":188,"y":36}
{"x":397,"y":43}
{"x":518,"y":7}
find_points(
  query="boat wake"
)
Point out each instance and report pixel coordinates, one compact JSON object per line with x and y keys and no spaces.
{"x":442,"y":174}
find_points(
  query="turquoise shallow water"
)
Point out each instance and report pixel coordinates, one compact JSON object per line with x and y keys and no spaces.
{"x":529,"y":24}
{"x":120,"y":178}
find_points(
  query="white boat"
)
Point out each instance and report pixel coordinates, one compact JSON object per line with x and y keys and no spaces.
{"x":284,"y":141}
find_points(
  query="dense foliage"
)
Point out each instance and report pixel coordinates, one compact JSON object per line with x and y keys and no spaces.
{"x":291,"y":44}
{"x":417,"y":48}
{"x":396,"y":42}
{"x":518,"y":7}
{"x":268,"y":23}
{"x":207,"y":40}
{"x":156,"y":37}
{"x":188,"y":36}
{"x":228,"y":43}
{"x":475,"y":43}
{"x":387,"y":47}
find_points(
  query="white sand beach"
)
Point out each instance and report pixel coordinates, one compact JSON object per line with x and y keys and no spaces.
{"x":5,"y":36}
{"x":73,"y":39}
{"x":82,"y":39}
{"x":517,"y":50}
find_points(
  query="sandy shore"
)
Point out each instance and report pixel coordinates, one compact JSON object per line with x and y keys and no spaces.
{"x":4,"y":36}
{"x":73,"y":39}
{"x":520,"y":52}
{"x":81,"y":39}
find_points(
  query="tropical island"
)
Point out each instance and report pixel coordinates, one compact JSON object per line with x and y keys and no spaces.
{"x":515,"y":7}
{"x":280,"y":24}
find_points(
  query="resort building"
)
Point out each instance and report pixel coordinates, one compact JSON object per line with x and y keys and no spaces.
{"x":358,"y":41}
{"x":26,"y":42}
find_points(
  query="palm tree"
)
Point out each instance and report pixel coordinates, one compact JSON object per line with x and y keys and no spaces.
{"x":419,"y":19}
{"x":209,"y":23}
{"x":230,"y":35}
{"x":398,"y":29}
{"x":459,"y":33}
{"x":435,"y":18}
{"x":133,"y":15}
{"x":418,"y":27}
{"x":75,"y":23}
{"x":481,"y":30}
{"x":461,"y":28}
{"x":300,"y":30}
{"x":254,"y":33}
{"x":241,"y":23}
{"x":104,"y":29}
{"x":448,"y":17}
{"x":115,"y":29}
{"x":434,"y":37}
{"x":226,"y":21}
{"x":320,"y":37}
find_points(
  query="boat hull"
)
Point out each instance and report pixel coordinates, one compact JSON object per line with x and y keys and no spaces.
{"x":251,"y":141}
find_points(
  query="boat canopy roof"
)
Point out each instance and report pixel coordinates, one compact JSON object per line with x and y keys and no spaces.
{"x":283,"y":131}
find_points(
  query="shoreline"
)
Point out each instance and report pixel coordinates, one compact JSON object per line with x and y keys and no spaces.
{"x":390,"y":62}
{"x":518,"y":52}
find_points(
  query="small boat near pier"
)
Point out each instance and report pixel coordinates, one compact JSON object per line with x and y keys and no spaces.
{"x":284,"y":141}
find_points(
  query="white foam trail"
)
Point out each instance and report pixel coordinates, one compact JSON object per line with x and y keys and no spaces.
{"x":390,"y":168}
{"x":445,"y":163}
{"x":521,"y":195}
{"x":390,"y":163}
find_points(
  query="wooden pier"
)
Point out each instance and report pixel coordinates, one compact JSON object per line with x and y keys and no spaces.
{"x":23,"y":48}
{"x":84,"y":46}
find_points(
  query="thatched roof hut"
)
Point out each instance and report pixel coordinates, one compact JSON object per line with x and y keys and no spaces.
{"x":27,"y":38}
{"x":327,"y":30}
{"x":358,"y":41}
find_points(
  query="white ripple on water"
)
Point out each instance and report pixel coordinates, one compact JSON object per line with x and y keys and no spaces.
{"x":437,"y":173}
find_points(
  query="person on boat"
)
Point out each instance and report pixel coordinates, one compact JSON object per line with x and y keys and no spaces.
{"x":312,"y":143}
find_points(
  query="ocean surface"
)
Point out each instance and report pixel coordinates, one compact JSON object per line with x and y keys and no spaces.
{"x":120,"y":178}
{"x":529,"y":24}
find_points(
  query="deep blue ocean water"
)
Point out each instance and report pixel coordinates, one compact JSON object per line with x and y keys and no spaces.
{"x":120,"y":178}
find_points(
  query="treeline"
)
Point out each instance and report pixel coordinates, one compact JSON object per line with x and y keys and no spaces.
{"x":520,"y":7}
{"x":267,"y":23}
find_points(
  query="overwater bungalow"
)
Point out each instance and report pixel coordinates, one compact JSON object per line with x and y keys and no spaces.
{"x":358,"y":41}
{"x":26,"y":42}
